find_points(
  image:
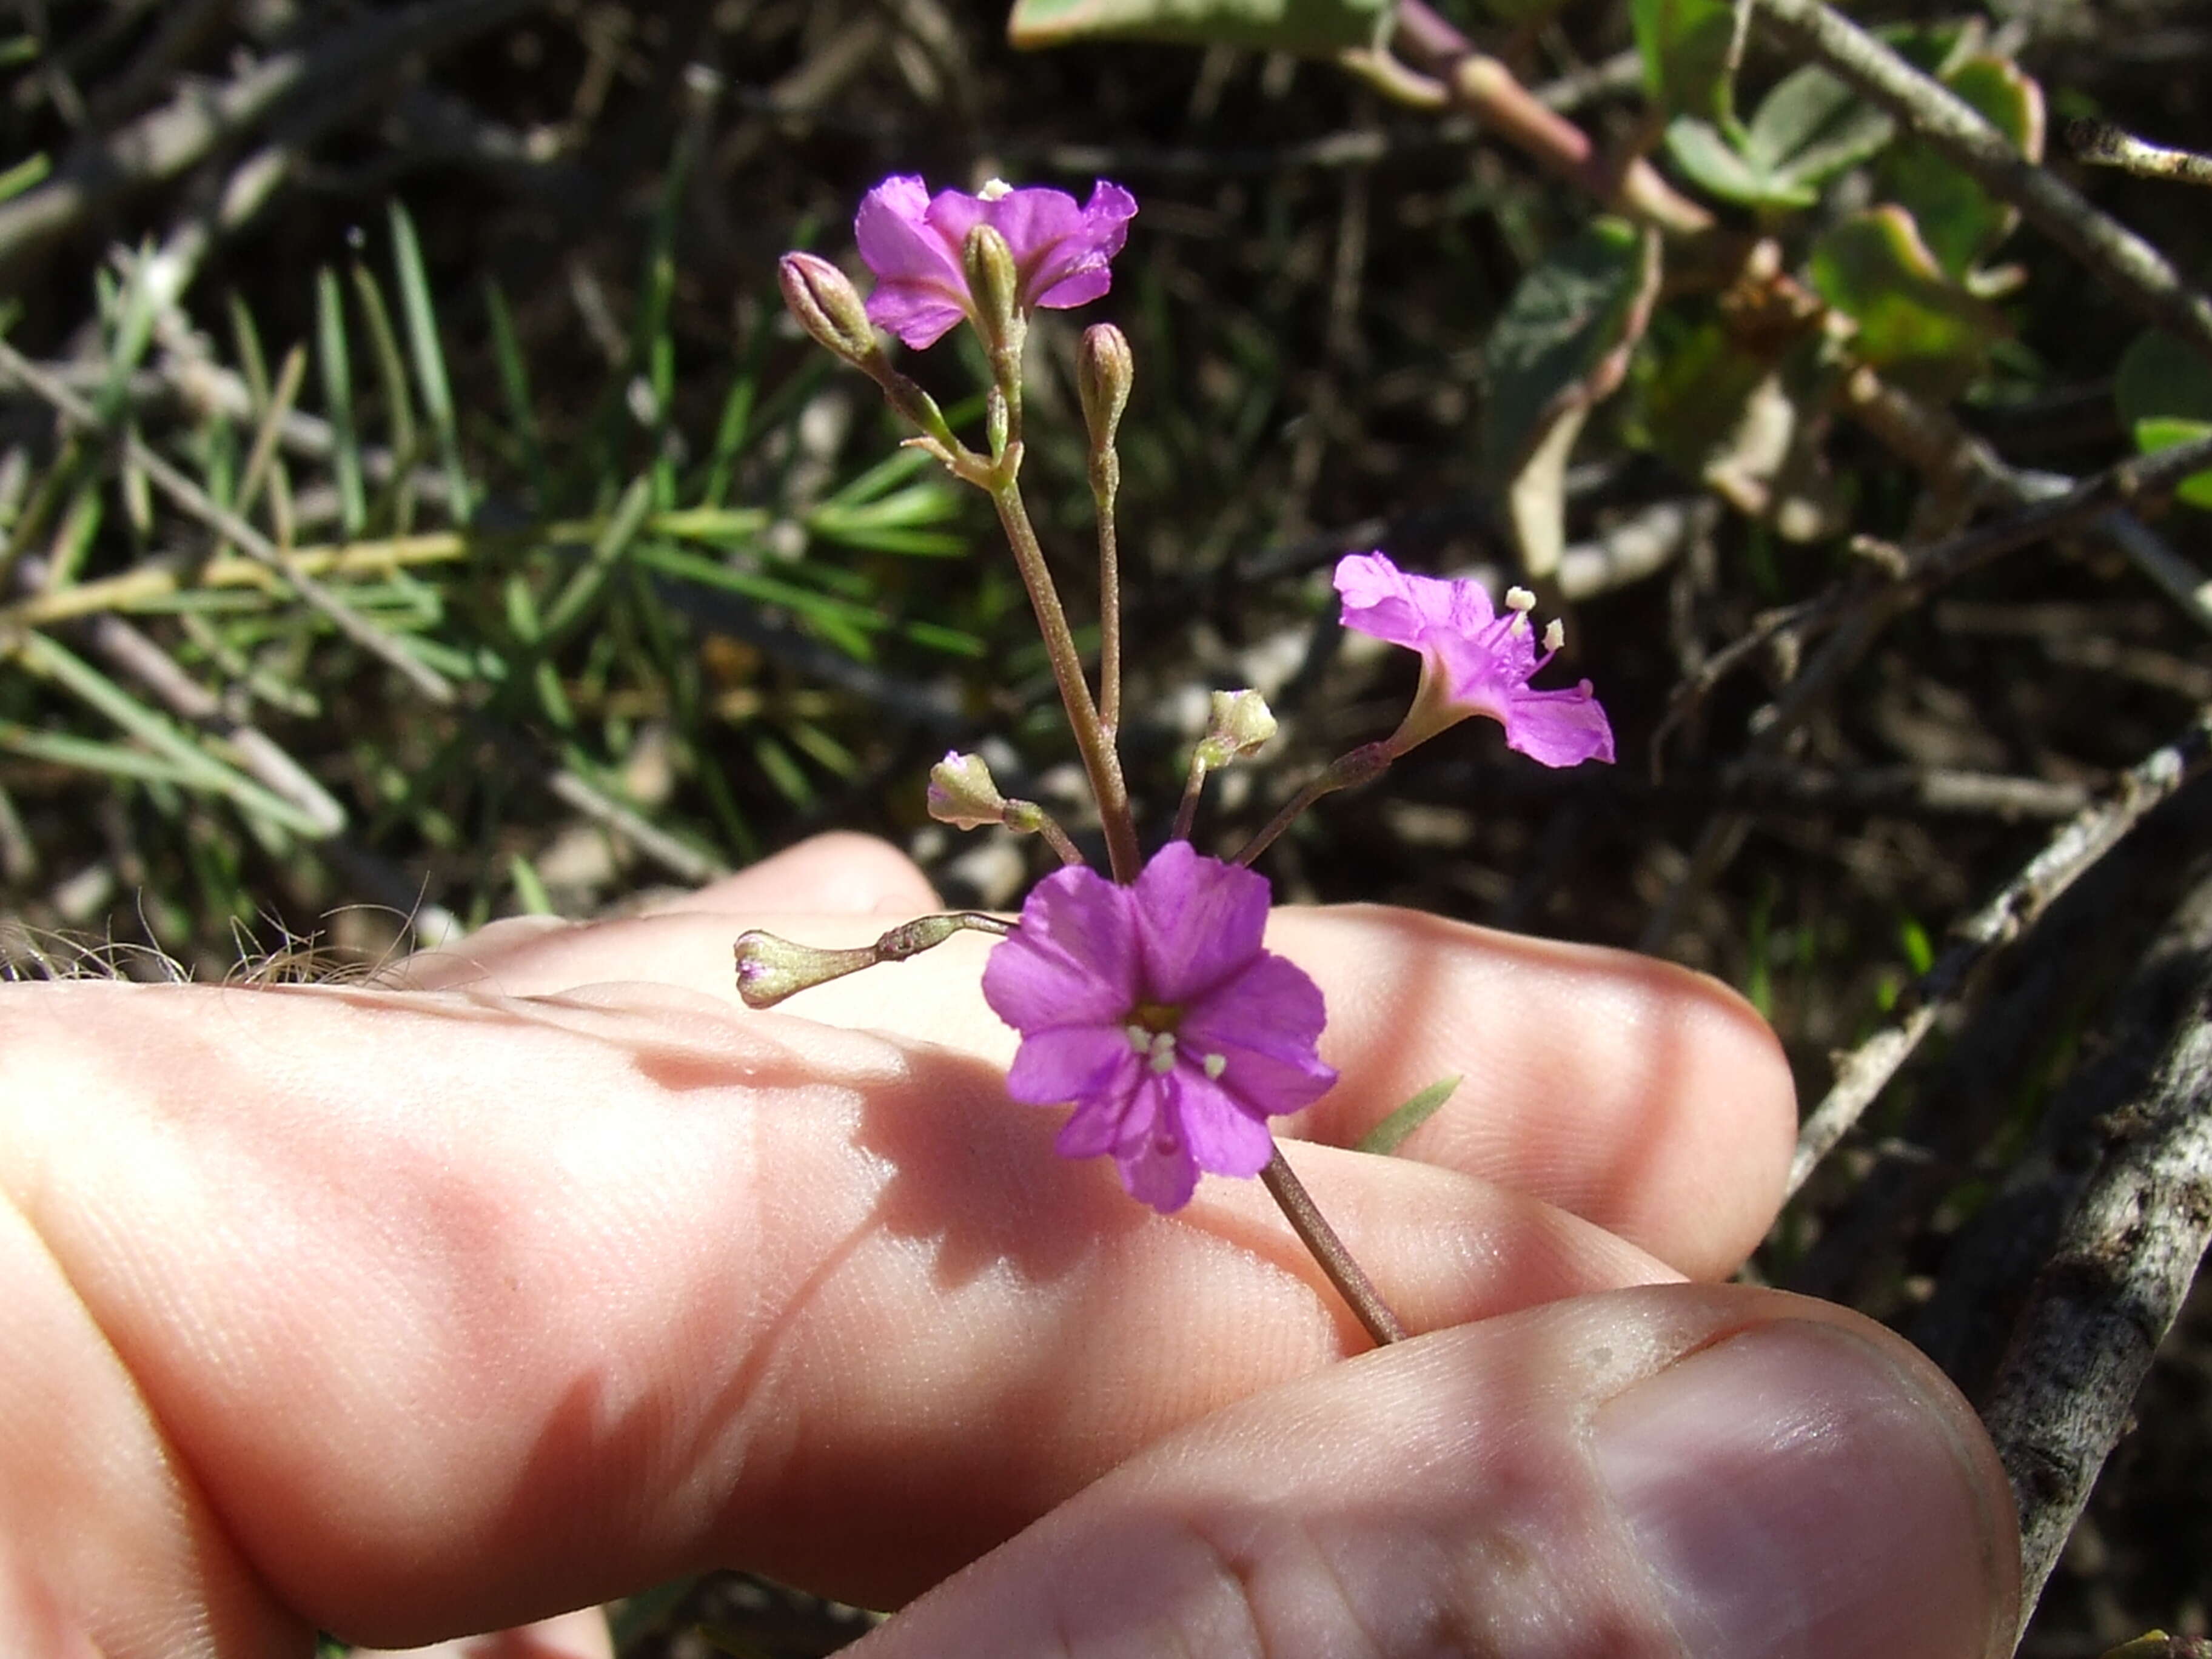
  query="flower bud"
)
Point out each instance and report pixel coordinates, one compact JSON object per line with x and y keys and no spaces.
{"x":962,"y":794}
{"x":1239,"y":724}
{"x":1103,"y":371}
{"x":827,"y":305}
{"x":771,"y":968}
{"x":994,"y":282}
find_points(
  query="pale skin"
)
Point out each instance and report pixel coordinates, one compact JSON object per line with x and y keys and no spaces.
{"x":410,"y":1312}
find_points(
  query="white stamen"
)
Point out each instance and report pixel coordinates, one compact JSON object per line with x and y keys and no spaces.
{"x":1163,"y":1061}
{"x":1520,"y":599}
{"x":993,"y":190}
{"x":1140,"y":1038}
{"x":1519,"y":625}
{"x":1215,"y":1065}
{"x":1555,"y":635}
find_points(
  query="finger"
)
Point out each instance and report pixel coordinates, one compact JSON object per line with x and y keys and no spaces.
{"x":1640,"y":1096}
{"x":580,"y":1635}
{"x":460,"y":1309}
{"x":835,"y":874}
{"x":1651,"y":1474}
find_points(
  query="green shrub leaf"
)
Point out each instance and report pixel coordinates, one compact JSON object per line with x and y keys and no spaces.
{"x":1913,"y":319}
{"x":2163,"y":394}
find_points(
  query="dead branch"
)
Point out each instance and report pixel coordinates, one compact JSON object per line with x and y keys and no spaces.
{"x":2017,"y":906}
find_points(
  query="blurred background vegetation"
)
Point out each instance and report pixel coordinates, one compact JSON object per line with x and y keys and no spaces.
{"x":418,"y":510}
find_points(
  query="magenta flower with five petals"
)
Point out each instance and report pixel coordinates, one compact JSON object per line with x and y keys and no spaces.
{"x":912,"y":241}
{"x":1154,"y":1010}
{"x":1473,"y":661}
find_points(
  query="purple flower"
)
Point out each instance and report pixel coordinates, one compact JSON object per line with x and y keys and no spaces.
{"x":1154,"y":1010}
{"x":1473,"y":661}
{"x":911,"y":240}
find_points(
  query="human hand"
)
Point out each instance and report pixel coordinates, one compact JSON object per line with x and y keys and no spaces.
{"x":404,"y":1314}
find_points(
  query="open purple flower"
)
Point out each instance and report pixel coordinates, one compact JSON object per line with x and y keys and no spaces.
{"x":1473,"y":661}
{"x":1154,"y":1010}
{"x":911,"y":240}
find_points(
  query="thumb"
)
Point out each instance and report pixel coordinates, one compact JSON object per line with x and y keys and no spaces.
{"x":1671,"y":1471}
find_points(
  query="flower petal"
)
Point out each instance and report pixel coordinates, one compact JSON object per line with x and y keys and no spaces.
{"x":895,"y":240}
{"x":1404,"y":609}
{"x":1073,"y":960}
{"x":1559,"y":728}
{"x":1117,"y":1116}
{"x":920,"y":315}
{"x":1265,"y":1025}
{"x":1158,"y":1168}
{"x":1072,"y":1063}
{"x":1079,"y":269}
{"x":1200,"y":922}
{"x":1223,"y":1137}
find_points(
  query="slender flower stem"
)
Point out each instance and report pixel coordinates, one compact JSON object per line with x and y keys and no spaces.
{"x":1092,"y":738}
{"x":1105,"y":486}
{"x":1187,"y":813}
{"x":1361,"y":765}
{"x":1056,"y":838}
{"x":1312,"y":1228}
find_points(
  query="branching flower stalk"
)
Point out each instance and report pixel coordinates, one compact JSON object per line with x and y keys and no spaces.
{"x":1147,"y":1003}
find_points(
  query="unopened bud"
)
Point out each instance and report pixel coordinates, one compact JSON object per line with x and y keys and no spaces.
{"x":994,"y":282}
{"x":1239,"y":723}
{"x":771,"y":968}
{"x":962,"y":794}
{"x":827,"y":306}
{"x":1103,"y":371}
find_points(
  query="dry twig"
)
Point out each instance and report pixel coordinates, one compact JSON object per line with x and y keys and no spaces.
{"x":1862,"y":1075}
{"x":2107,"y":1296}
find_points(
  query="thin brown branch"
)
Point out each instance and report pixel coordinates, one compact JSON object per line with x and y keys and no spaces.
{"x":1486,"y":88}
{"x":1916,"y":571}
{"x":1862,"y":1075}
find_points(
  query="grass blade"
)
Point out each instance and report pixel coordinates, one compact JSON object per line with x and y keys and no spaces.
{"x":337,"y":403}
{"x":429,"y":359}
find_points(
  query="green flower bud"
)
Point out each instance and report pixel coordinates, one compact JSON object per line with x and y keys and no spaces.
{"x":994,"y":282}
{"x":1103,"y":371}
{"x":962,"y":793}
{"x":1239,"y":724}
{"x":828,"y":306}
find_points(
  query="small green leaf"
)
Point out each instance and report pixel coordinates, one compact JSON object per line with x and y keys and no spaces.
{"x":1812,"y":126}
{"x":1314,"y":28}
{"x":1386,"y":1137}
{"x":1719,"y":168}
{"x":1913,"y":320}
{"x":1689,"y":47}
{"x":1809,"y":128}
{"x":2197,"y":488}
{"x":1961,"y":223}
